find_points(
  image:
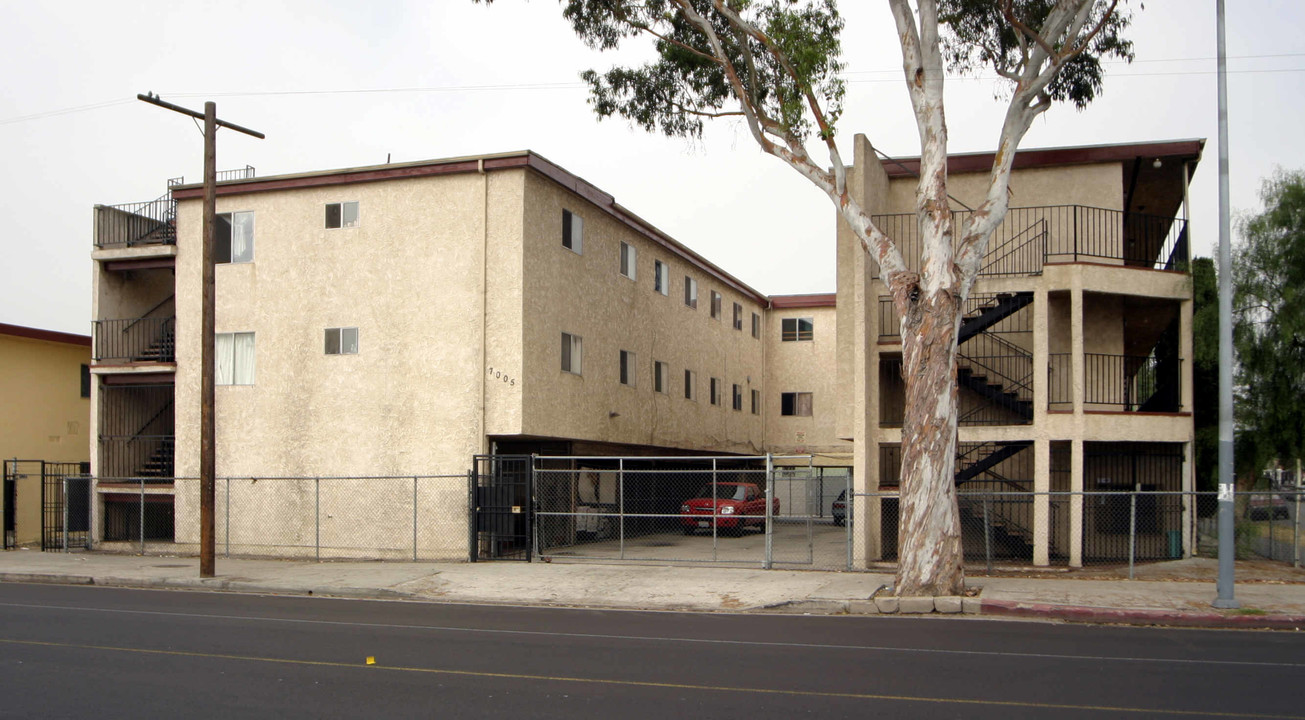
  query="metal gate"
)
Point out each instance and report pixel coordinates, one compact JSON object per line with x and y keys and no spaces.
{"x":65,"y":506}
{"x":502,"y":508}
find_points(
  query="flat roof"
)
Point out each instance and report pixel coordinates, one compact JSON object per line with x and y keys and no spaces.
{"x":46,"y":335}
{"x":476,"y":163}
{"x":1055,"y":156}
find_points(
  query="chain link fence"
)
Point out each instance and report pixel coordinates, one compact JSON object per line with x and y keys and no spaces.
{"x":726,"y":511}
{"x":1119,"y":528}
{"x":420,"y":517}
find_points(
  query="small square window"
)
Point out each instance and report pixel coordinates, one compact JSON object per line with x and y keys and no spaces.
{"x":756,"y":326}
{"x":795,"y":404}
{"x":736,"y":397}
{"x":715,"y":391}
{"x":627,"y":368}
{"x":661,"y":377}
{"x":756,"y":402}
{"x":690,"y":292}
{"x":233,"y":238}
{"x":342,"y":341}
{"x":690,"y":385}
{"x":628,"y":260}
{"x":341,"y":214}
{"x":661,"y":277}
{"x":572,"y":353}
{"x":738,"y":316}
{"x":715,"y":305}
{"x":797,"y":329}
{"x":572,"y":231}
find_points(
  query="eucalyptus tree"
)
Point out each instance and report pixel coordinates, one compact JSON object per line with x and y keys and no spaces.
{"x":775,"y":65}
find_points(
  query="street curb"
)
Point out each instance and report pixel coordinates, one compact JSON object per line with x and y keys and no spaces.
{"x":1118,"y":616}
{"x":218,"y":584}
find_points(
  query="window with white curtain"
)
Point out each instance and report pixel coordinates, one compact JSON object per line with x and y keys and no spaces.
{"x":233,"y":356}
{"x":233,"y":238}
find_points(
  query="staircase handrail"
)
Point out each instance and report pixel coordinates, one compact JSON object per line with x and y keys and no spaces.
{"x":160,"y":304}
{"x":1013,"y":238}
{"x":140,"y":433}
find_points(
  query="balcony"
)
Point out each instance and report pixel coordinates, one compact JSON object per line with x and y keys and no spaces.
{"x":1118,"y":383}
{"x":136,"y":433}
{"x":135,"y":340}
{"x":148,"y":223}
{"x":1032,"y":237}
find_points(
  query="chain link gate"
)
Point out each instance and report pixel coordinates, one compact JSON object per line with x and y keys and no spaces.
{"x":64,"y":511}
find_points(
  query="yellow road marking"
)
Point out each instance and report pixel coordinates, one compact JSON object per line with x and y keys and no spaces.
{"x":650,"y":684}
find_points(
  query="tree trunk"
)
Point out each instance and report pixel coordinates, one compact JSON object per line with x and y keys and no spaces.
{"x":929,"y":548}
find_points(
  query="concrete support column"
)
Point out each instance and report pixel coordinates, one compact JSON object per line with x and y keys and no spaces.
{"x":1041,"y":502}
{"x":1076,"y":505}
{"x":1077,"y":361}
{"x":1041,"y":357}
{"x":1187,"y":357}
{"x":867,"y":512}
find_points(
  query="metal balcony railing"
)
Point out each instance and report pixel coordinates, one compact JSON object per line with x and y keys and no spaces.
{"x":149,"y":223}
{"x":1128,"y":383}
{"x":145,"y":339}
{"x":1031,"y":237}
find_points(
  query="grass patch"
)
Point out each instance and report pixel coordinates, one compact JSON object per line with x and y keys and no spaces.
{"x":1250,"y":611}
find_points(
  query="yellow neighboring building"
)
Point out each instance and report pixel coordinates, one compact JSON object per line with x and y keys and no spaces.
{"x":45,"y":384}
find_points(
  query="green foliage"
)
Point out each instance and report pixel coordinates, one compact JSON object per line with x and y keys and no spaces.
{"x":979,"y":36}
{"x":1205,"y":372}
{"x":797,"y":54}
{"x":1269,"y":332}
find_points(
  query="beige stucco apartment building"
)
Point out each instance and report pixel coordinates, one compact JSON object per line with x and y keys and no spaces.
{"x":400,"y":319}
{"x":45,"y":384}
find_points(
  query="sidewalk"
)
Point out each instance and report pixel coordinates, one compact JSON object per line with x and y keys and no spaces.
{"x":1181,"y":599}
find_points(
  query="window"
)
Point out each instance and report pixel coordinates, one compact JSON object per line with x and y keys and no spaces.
{"x":715,"y":391}
{"x":794,"y":329}
{"x":690,"y":385}
{"x":627,"y":368}
{"x":628,"y":258}
{"x":661,"y":377}
{"x":233,"y":238}
{"x":86,"y":381}
{"x":341,"y":215}
{"x":342,"y":341}
{"x":572,"y":353}
{"x":736,"y":397}
{"x":715,"y":305}
{"x":738,"y":316}
{"x":661,"y":277}
{"x":795,"y":403}
{"x":690,"y":292}
{"x":233,"y":358}
{"x":573,"y":227}
{"x":756,"y":325}
{"x":756,"y":402}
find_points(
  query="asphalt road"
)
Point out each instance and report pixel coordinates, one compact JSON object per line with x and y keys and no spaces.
{"x":76,"y":652}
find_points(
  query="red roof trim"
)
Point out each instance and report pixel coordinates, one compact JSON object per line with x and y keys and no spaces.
{"x":781,"y":302}
{"x":45,"y":335}
{"x":1053,"y":157}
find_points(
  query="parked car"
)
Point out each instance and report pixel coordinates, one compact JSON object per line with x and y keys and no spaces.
{"x":732,"y":505}
{"x":1264,"y":506}
{"x":839,"y":508}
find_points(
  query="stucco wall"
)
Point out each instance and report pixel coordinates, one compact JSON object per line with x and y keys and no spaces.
{"x":805,"y":366}
{"x":43,"y":416}
{"x":585,"y":294}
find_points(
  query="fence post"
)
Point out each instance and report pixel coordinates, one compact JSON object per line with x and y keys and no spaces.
{"x":317,"y":518}
{"x":65,"y":513}
{"x":226,"y":515}
{"x":715,"y":510}
{"x":473,"y":548}
{"x":987,"y":533}
{"x":770,"y":491}
{"x":142,"y":516}
{"x":620,"y":505}
{"x":1295,"y":532}
{"x":1272,"y":511}
{"x":849,"y":500}
{"x":1132,"y":528}
{"x":414,"y":518}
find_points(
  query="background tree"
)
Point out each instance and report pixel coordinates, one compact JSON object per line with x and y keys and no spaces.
{"x":775,"y":65}
{"x":1269,"y":334}
{"x":1205,"y":373}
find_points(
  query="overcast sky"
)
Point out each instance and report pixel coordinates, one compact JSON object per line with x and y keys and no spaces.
{"x":340,"y":84}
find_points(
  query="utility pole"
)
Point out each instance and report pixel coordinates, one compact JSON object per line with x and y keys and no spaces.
{"x":1227,"y":481}
{"x":207,"y":436}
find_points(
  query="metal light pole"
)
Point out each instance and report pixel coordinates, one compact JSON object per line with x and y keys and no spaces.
{"x":1227,"y":484}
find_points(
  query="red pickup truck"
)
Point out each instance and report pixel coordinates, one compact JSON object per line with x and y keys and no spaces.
{"x":733,"y":505}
